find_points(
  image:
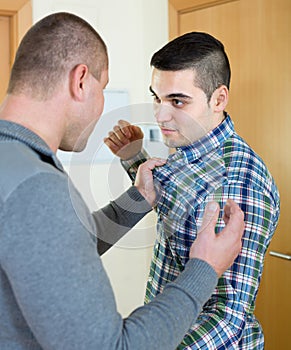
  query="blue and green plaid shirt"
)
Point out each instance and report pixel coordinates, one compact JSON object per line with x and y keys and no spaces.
{"x":219,"y":166}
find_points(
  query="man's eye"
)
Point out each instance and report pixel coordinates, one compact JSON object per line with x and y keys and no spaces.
{"x":177,"y":103}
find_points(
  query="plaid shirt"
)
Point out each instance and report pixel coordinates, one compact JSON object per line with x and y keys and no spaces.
{"x":218,"y":166}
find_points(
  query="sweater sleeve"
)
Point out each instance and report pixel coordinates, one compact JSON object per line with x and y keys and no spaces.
{"x":118,"y":217}
{"x":61,"y":288}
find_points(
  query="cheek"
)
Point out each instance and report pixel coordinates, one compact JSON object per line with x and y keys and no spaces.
{"x":99,"y":105}
{"x":191,"y":127}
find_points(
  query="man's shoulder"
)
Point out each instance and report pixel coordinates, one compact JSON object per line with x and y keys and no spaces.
{"x":18,"y":163}
{"x":243,"y":164}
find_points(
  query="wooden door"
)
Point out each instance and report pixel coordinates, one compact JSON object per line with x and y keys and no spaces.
{"x":257,"y":38}
{"x":5,"y":54}
{"x":15,"y":20}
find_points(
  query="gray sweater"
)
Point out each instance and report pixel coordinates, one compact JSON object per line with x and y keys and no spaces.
{"x":54,"y":292}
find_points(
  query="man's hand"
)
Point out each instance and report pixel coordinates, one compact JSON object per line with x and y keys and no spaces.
{"x":125,"y":140}
{"x":144,"y":179}
{"x":221,"y":249}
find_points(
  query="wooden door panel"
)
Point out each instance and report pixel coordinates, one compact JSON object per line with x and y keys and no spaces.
{"x":273,"y":306}
{"x":257,"y":38}
{"x":5,"y":55}
{"x":15,"y":20}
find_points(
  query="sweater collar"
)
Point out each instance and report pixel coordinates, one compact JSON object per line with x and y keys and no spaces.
{"x":13,"y":131}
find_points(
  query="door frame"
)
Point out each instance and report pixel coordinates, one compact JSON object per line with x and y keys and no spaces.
{"x":178,"y":7}
{"x":20,"y":18}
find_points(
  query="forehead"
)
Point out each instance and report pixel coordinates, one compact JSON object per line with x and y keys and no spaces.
{"x":165,"y":82}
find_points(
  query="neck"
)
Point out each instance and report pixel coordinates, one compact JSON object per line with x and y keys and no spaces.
{"x":41,"y":117}
{"x":218,"y":119}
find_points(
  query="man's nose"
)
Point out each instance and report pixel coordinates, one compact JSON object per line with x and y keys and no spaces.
{"x":163,"y":113}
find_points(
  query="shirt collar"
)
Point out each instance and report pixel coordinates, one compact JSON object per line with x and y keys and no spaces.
{"x":14,"y":131}
{"x":215,"y":138}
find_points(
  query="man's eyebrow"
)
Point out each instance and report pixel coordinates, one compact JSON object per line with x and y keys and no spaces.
{"x":173,"y":95}
{"x":179,"y":95}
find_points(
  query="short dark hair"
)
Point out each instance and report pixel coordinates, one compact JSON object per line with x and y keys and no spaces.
{"x":200,"y":52}
{"x":52,"y":47}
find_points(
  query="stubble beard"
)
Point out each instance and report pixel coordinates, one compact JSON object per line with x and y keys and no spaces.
{"x":182,"y":141}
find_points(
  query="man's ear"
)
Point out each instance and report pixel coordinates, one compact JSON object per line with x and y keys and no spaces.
{"x":78,"y":78}
{"x":220,"y":99}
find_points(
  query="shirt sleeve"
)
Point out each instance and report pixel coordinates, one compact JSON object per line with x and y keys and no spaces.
{"x":229,"y":311}
{"x":131,"y":165}
{"x":63,"y":296}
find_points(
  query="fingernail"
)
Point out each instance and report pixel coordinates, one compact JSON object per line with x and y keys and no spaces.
{"x":212,"y":206}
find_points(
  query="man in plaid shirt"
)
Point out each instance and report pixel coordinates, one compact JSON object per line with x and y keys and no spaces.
{"x":190,"y":83}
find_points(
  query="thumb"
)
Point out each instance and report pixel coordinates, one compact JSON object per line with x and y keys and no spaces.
{"x":210,"y":215}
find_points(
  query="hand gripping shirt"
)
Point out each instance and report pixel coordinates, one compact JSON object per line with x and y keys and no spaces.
{"x":217,"y":167}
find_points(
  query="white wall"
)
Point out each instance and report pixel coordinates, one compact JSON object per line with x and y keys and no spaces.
{"x":133,"y":30}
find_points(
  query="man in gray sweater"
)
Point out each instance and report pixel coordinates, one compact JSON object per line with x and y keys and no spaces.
{"x":54,"y":292}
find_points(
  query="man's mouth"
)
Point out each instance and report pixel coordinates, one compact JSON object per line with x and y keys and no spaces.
{"x":167,"y":130}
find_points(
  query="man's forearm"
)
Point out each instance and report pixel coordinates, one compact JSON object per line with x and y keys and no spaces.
{"x":118,"y":217}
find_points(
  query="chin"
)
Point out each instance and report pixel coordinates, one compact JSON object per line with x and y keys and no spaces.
{"x":171,"y":143}
{"x":78,"y":147}
{"x":65,"y":148}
